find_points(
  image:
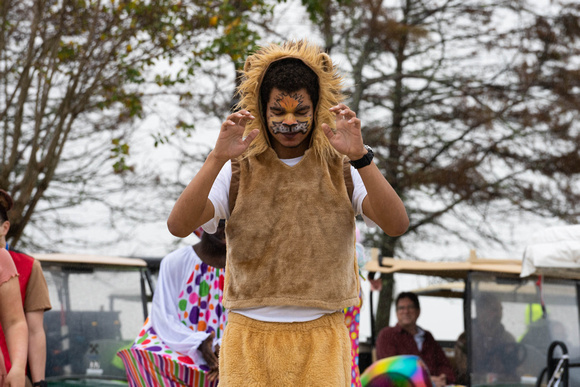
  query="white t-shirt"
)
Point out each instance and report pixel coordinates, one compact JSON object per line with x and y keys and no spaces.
{"x":219,"y":196}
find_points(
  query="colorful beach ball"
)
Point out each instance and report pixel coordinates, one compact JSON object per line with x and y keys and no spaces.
{"x":397,"y":371}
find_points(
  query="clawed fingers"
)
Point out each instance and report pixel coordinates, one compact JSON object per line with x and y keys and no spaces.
{"x":227,"y":123}
{"x":238,"y":119}
{"x":233,"y":139}
{"x":343,"y":112}
{"x":355,"y":121}
{"x":241,"y":117}
{"x":340,"y":106}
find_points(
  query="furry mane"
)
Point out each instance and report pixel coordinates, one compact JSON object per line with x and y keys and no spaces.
{"x":330,"y":84}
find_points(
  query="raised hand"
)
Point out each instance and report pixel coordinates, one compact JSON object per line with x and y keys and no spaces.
{"x":231,"y":142}
{"x":347,"y":139}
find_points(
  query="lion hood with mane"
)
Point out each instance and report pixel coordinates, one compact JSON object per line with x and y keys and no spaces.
{"x":330,"y":85}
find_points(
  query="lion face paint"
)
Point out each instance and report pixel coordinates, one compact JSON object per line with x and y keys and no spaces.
{"x":289,"y":117}
{"x":289,"y":112}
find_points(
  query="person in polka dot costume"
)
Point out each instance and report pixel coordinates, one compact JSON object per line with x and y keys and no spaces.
{"x":187,"y":317}
{"x":352,"y":316}
{"x":352,"y":321}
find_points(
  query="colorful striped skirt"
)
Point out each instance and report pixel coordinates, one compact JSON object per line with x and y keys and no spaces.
{"x":149,"y":369}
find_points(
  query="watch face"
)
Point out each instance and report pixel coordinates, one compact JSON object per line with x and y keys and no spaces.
{"x":370,"y":153}
{"x":365,"y":160}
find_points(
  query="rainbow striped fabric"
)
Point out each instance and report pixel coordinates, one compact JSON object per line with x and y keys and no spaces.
{"x":149,"y":369}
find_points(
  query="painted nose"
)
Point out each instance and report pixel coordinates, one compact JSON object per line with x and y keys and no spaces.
{"x":289,"y":120}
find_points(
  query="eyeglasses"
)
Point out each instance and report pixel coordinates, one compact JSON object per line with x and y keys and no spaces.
{"x":406,"y":307}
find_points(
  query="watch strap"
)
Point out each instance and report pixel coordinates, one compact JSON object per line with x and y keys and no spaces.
{"x":365,"y":160}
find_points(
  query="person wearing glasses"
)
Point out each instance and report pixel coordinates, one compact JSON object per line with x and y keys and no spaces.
{"x":407,"y":338}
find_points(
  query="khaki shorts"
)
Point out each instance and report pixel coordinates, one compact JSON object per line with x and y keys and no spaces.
{"x":313,"y":353}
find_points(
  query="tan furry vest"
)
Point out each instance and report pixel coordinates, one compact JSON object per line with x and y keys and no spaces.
{"x":291,"y":236}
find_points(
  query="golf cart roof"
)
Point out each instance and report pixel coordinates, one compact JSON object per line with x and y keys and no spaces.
{"x":90,"y":260}
{"x":444,"y":290}
{"x":554,"y":251}
{"x":453,"y":270}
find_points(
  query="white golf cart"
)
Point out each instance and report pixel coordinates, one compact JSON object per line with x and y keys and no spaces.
{"x":99,"y":304}
{"x":540,"y":300}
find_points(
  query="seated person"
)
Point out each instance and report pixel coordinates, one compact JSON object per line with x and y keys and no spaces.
{"x":187,"y":319}
{"x":407,"y":338}
{"x":541,"y":330}
{"x":494,"y":350}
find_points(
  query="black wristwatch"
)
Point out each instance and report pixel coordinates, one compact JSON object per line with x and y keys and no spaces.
{"x":365,"y":160}
{"x":40,"y":383}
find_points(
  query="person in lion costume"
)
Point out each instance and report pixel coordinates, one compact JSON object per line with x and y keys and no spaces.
{"x":289,"y":172}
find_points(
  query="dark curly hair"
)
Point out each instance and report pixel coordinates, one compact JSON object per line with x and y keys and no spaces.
{"x":5,"y":205}
{"x":289,"y":75}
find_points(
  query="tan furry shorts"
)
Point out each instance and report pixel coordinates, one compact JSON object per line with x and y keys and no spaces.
{"x":313,"y":353}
